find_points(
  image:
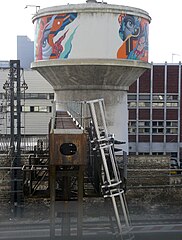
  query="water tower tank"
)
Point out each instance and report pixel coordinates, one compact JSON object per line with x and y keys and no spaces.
{"x":93,"y":50}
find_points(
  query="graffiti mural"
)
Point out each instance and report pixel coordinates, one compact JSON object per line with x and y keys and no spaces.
{"x":133,"y":32}
{"x":54,"y":35}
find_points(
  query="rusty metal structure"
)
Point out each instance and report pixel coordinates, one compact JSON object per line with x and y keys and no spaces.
{"x":68,"y":146}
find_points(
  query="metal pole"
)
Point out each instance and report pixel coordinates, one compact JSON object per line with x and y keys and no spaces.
{"x":18,"y":139}
{"x":12,"y":146}
{"x":12,"y":109}
{"x":16,"y":155}
{"x":52,"y":187}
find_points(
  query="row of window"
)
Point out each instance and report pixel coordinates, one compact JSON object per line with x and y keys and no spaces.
{"x":46,"y":109}
{"x":155,"y":97}
{"x":32,"y":96}
{"x":154,"y":130}
{"x":154,"y":104}
{"x":43,"y":109}
{"x":157,"y":127}
{"x":153,"y":123}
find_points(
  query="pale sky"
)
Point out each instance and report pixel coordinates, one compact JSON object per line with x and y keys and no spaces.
{"x":165,"y":31}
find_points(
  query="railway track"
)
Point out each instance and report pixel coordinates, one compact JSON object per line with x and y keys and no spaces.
{"x":90,"y":227}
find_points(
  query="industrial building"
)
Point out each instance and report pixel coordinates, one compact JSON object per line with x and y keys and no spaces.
{"x":154,"y":103}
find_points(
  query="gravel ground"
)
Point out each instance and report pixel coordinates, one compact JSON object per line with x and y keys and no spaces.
{"x":39,"y":210}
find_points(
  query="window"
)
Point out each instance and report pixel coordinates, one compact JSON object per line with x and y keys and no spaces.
{"x":132,"y":104}
{"x":172,"y":97}
{"x":37,"y":95}
{"x":141,"y":123}
{"x":132,"y":97}
{"x":132,"y":123}
{"x":144,"y":97}
{"x":147,"y":130}
{"x":131,"y":130}
{"x":161,"y":124}
{"x":50,"y":109}
{"x":171,"y":104}
{"x":141,"y":130}
{"x":144,"y":104}
{"x":154,"y":130}
{"x":144,"y":130}
{"x":171,"y":130}
{"x":36,"y":109}
{"x":43,"y":109}
{"x":171,"y":124}
{"x":160,"y":130}
{"x":31,"y":108}
{"x":147,"y":124}
{"x":25,"y":108}
{"x":157,"y":130}
{"x":154,"y":124}
{"x":144,"y":123}
{"x":157,"y":104}
{"x":51,"y":95}
{"x":159,"y":97}
{"x":158,"y":123}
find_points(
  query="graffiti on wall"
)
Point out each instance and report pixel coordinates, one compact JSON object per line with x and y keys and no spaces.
{"x":54,"y":36}
{"x":133,"y":32}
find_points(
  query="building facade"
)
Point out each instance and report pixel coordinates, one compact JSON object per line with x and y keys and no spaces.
{"x":36,"y":107}
{"x":25,"y":51}
{"x":154,"y":104}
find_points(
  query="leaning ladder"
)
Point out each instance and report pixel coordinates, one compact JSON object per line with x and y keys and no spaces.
{"x":111,"y":178}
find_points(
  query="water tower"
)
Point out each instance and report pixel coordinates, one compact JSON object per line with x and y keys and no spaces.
{"x":90,"y":51}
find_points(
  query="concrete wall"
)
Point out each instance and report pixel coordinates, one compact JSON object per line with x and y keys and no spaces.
{"x":151,"y":188}
{"x":143,"y":177}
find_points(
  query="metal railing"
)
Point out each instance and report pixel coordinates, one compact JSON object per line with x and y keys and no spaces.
{"x":28,"y":143}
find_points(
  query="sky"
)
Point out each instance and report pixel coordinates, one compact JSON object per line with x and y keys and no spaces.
{"x":165,"y":31}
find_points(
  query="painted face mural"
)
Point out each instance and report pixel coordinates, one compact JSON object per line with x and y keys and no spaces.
{"x":54,"y":36}
{"x":133,"y":32}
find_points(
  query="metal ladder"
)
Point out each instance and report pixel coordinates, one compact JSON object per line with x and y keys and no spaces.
{"x":111,"y":180}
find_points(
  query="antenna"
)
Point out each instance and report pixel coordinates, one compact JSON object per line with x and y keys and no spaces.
{"x":35,"y":6}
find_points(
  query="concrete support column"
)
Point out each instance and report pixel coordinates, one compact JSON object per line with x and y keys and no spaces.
{"x":116,"y":108}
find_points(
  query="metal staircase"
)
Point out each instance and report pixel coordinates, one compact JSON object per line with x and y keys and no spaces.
{"x":111,"y":181}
